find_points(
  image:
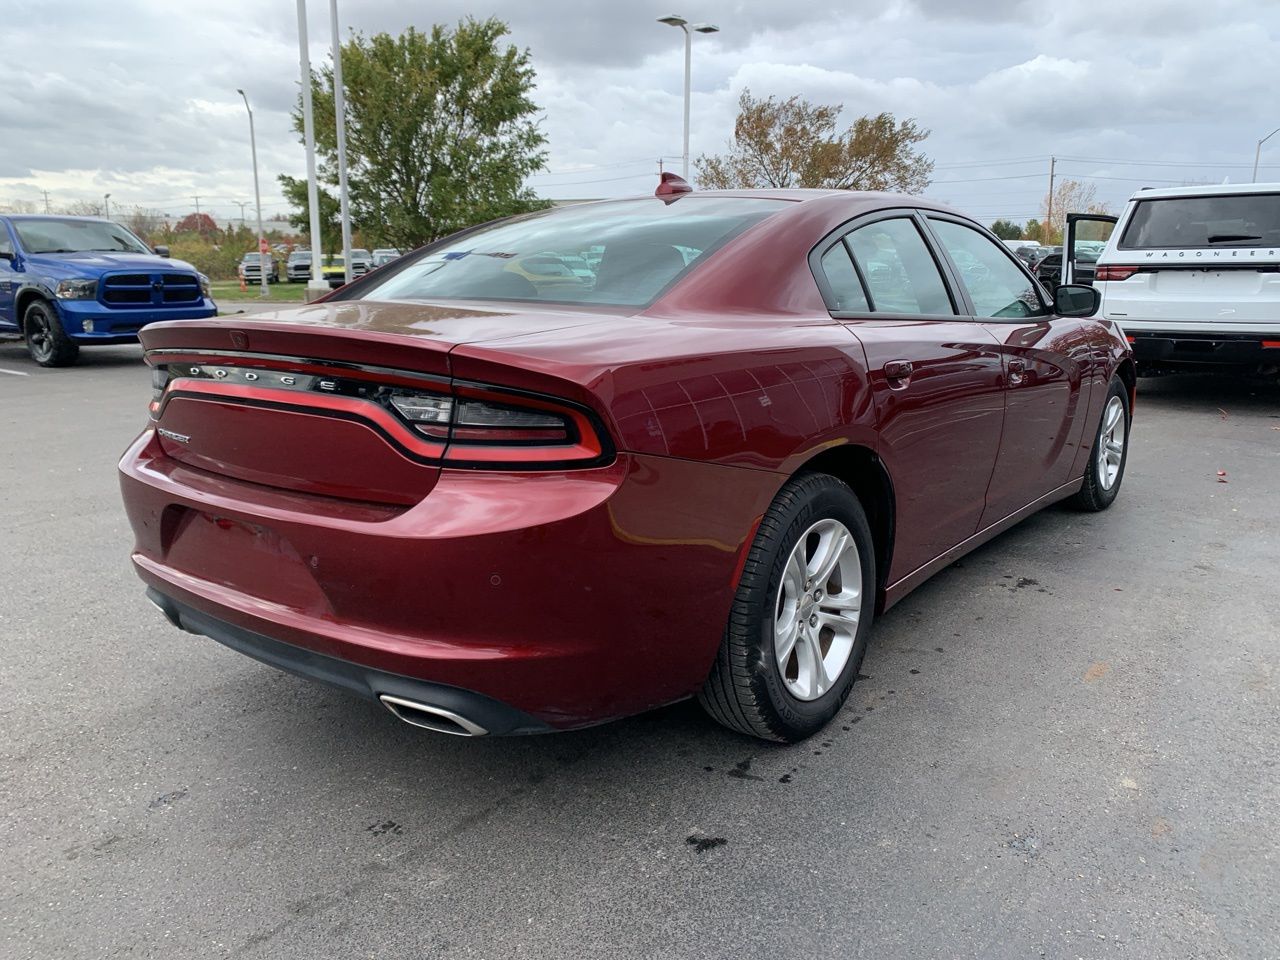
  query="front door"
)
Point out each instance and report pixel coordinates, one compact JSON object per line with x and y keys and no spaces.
{"x":1087,"y":234}
{"x":1046,"y":362}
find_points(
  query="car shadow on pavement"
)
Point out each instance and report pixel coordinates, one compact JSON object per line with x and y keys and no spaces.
{"x":1201,"y":391}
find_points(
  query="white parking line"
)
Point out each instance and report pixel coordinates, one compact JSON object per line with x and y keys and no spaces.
{"x":15,"y":373}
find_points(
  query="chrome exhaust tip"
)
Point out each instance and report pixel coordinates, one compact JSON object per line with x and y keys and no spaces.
{"x":431,"y":718}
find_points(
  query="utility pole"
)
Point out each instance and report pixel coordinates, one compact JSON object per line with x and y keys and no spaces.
{"x":316,"y":287}
{"x":659,"y":168}
{"x":46,"y":201}
{"x":257,"y":199}
{"x":340,"y":117}
{"x":197,"y":200}
{"x":1049,"y":213}
{"x":241,"y":204}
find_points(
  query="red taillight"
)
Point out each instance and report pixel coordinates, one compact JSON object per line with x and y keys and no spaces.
{"x":1271,"y":344}
{"x":1129,"y":338}
{"x":1112,"y":272}
{"x":459,"y":424}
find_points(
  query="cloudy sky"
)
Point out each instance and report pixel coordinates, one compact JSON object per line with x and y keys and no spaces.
{"x":137,"y":98}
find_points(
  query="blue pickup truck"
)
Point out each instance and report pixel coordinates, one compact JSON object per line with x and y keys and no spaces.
{"x":69,"y":282}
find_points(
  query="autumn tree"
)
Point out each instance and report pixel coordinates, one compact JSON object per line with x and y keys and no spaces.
{"x":200,"y":223}
{"x":795,"y":143}
{"x":441,"y":130}
{"x":1069,"y":196}
{"x":1006,"y":230}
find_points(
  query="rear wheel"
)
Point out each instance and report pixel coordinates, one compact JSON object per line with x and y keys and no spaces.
{"x":1105,"y":471}
{"x":47,"y":342}
{"x":798,"y":629}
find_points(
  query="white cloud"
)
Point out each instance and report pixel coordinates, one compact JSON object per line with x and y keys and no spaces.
{"x":141,"y":101}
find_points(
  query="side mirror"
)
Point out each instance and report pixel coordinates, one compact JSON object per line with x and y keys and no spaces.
{"x":161,"y":250}
{"x":1076,"y":300}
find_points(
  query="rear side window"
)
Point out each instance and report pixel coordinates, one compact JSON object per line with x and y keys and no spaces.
{"x":997,"y":287}
{"x":846,"y":288}
{"x":901,"y":274}
{"x":1248,"y":220}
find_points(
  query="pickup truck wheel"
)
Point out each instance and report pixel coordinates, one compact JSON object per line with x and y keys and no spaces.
{"x":47,"y":342}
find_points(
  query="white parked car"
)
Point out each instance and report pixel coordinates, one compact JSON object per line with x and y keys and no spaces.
{"x":1192,"y":275}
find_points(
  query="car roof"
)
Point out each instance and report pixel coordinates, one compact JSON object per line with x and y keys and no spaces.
{"x":1212,"y":190}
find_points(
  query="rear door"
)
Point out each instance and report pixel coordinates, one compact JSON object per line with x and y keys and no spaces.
{"x":1047,"y":360}
{"x":8,"y":280}
{"x":1086,"y":238}
{"x":936,"y":378}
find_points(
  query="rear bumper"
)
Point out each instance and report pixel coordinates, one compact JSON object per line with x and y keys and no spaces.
{"x":490,"y":715}
{"x":88,"y":322}
{"x":1162,"y":349}
{"x":573,"y":597}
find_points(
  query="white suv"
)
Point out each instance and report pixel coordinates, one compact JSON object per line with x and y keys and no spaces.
{"x":1192,"y":275}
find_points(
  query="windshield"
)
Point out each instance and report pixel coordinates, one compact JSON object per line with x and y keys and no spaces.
{"x":296,"y":257}
{"x":1246,"y":220}
{"x":622,"y":252}
{"x":76,"y":236}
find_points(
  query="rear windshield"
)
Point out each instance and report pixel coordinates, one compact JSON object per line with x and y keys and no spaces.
{"x":1246,"y":220}
{"x":622,"y":253}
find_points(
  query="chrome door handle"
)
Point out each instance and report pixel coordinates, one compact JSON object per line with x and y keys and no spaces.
{"x":898,"y":372}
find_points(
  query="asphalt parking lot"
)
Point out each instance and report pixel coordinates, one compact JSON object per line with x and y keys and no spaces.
{"x":1064,"y":746}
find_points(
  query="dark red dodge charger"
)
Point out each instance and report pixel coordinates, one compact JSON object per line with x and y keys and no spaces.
{"x":573,"y":465}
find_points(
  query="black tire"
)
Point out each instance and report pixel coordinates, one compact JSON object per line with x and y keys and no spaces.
{"x":746,"y":690}
{"x":47,"y":342}
{"x":1094,"y":496}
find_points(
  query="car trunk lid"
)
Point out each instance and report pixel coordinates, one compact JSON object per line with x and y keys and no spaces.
{"x":301,"y":400}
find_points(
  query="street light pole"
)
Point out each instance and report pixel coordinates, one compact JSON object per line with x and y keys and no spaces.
{"x":316,"y":287}
{"x":340,"y":117}
{"x":677,"y":21}
{"x":106,"y":206}
{"x":1257,"y":154}
{"x":257,"y":196}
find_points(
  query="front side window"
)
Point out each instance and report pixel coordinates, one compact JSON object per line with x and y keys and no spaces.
{"x":53,"y":235}
{"x":901,"y":274}
{"x":995,"y":284}
{"x":622,"y":253}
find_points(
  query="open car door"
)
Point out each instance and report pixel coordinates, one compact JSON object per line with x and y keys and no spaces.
{"x":1087,"y":235}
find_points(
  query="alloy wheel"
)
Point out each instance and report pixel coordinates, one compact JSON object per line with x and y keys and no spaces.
{"x":39,"y":335}
{"x":1111,"y":443}
{"x":817,"y":609}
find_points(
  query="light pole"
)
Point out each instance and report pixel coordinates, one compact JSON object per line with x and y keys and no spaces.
{"x":106,"y":206}
{"x":316,"y":287}
{"x":1257,"y":154}
{"x":678,"y":21}
{"x":257,"y":196}
{"x":340,"y":118}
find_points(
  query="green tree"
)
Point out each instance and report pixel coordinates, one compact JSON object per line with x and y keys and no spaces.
{"x":1034,"y":230}
{"x":1006,"y":230}
{"x":440,"y":130}
{"x":295,"y":191}
{"x":795,"y":143}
